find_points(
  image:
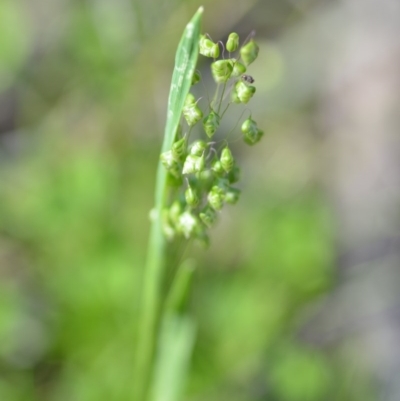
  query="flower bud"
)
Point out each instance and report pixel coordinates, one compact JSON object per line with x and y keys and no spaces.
{"x":198,"y":148}
{"x":232,"y":43}
{"x":208,"y":216}
{"x":249,"y":52}
{"x":221,"y":70}
{"x":196,"y":78}
{"x":244,"y":92}
{"x":227,"y":160}
{"x":192,"y":114}
{"x":232,"y":195}
{"x":216,"y":198}
{"x":191,"y":197}
{"x":208,"y":48}
{"x":211,"y":123}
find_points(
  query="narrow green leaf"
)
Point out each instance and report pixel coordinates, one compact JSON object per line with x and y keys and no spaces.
{"x":185,"y":63}
{"x":177,"y":298}
{"x":174,"y":352}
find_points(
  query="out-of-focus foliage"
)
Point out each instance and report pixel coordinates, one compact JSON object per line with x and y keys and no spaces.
{"x":14,"y":42}
{"x":83,"y":92}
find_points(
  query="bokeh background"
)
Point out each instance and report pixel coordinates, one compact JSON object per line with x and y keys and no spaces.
{"x":297,"y":298}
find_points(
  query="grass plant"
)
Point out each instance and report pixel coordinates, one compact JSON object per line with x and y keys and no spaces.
{"x":194,"y":181}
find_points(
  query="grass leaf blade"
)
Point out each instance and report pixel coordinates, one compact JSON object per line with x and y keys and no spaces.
{"x":185,"y":64}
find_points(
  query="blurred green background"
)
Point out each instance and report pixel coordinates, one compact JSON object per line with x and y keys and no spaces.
{"x":295,"y":300}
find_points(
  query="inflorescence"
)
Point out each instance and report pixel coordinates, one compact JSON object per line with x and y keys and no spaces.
{"x":201,"y":173}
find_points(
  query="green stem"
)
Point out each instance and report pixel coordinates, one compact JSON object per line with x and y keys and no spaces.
{"x":222,"y":97}
{"x":151,"y":293}
{"x":215,"y":97}
{"x":226,"y":108}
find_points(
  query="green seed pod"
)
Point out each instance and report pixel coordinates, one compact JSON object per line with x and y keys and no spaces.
{"x":208,"y":216}
{"x":238,"y":69}
{"x":189,"y":167}
{"x":208,"y":48}
{"x":251,"y":132}
{"x":192,"y":114}
{"x":221,"y":70}
{"x":223,"y":185}
{"x":217,"y":168}
{"x":171,"y":163}
{"x":179,"y":149}
{"x":175,"y":173}
{"x":227,"y":160}
{"x":232,"y":43}
{"x":232,"y":195}
{"x":198,"y":148}
{"x":191,"y":197}
{"x":190,"y":99}
{"x":202,"y":39}
{"x":193,"y":164}
{"x":167,"y":159}
{"x":249,"y":125}
{"x":216,"y":198}
{"x":211,"y":123}
{"x":214,"y":53}
{"x":249,"y":52}
{"x":196,"y":78}
{"x":249,"y":138}
{"x":244,"y":92}
{"x":174,"y":178}
{"x":205,"y":180}
{"x":252,"y":138}
{"x":234,"y":175}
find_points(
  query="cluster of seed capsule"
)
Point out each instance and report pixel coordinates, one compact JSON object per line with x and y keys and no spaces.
{"x":202,"y":174}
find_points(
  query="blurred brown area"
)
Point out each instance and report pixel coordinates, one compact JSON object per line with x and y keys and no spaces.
{"x":297,"y":297}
